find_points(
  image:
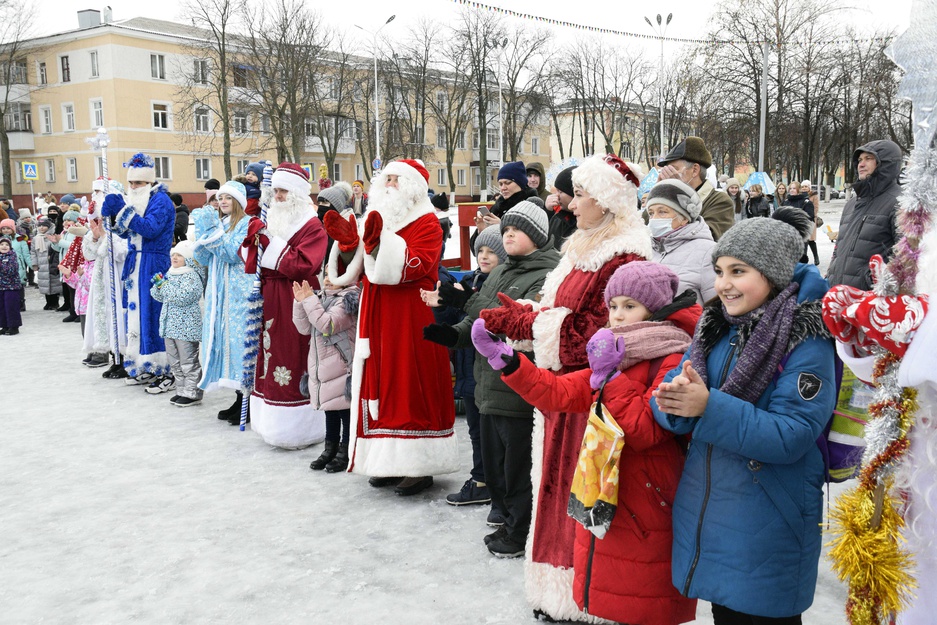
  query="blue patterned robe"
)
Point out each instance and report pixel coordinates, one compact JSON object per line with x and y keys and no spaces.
{"x":225,"y":318}
{"x":149,"y":239}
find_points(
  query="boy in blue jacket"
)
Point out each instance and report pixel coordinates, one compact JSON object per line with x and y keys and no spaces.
{"x":755,"y":391}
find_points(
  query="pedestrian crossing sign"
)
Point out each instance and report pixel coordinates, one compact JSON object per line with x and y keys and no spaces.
{"x":30,"y":171}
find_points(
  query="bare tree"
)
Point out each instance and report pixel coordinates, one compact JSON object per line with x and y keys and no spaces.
{"x":409,"y":80}
{"x":204,"y":94}
{"x":524,"y":82}
{"x":17,"y":24}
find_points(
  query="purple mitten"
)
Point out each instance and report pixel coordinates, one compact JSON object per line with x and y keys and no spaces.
{"x":490,"y":346}
{"x":605,"y":354}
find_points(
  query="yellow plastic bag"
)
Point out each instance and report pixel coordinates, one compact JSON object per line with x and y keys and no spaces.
{"x":593,"y":496}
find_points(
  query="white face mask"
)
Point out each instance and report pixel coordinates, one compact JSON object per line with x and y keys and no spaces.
{"x":660,"y":227}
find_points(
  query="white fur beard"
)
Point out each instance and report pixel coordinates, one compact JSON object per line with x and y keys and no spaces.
{"x":139,"y":198}
{"x":393,"y":204}
{"x":282,"y":217}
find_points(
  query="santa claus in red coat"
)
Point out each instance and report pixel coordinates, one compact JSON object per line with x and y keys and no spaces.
{"x":293,"y":249}
{"x":402,"y":410}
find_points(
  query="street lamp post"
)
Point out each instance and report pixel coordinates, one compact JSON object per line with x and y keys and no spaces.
{"x":500,"y":45}
{"x":377,"y":122}
{"x":661,"y":30}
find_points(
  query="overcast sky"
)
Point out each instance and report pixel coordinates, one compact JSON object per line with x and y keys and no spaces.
{"x":690,"y":16}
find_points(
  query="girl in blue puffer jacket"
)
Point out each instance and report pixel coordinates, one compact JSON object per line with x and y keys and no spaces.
{"x":755,"y":391}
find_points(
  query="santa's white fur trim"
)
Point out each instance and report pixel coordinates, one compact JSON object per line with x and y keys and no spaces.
{"x":387,"y":267}
{"x":546,"y":330}
{"x":274,"y":251}
{"x":287,"y":427}
{"x":352,"y":271}
{"x":548,"y":588}
{"x":362,"y":353}
{"x":606,"y":184}
{"x":406,"y":457}
{"x":396,"y":168}
{"x":861,"y":366}
{"x":208,"y":238}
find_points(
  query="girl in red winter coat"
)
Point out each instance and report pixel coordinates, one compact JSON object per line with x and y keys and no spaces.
{"x":625,"y":576}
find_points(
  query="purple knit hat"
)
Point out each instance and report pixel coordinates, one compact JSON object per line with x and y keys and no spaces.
{"x":652,"y":284}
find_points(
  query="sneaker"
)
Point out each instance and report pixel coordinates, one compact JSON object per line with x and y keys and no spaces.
{"x":161,"y":384}
{"x":506,"y":547}
{"x":115,"y":372}
{"x":97,"y":360}
{"x":174,"y":399}
{"x":87,"y":359}
{"x":143,"y":378}
{"x":495,"y":518}
{"x":499,"y":533}
{"x":184,"y":402}
{"x":472,"y":493}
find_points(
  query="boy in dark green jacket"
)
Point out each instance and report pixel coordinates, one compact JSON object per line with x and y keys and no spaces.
{"x":506,"y":419}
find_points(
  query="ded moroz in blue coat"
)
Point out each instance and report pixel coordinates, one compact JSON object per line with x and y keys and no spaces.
{"x":149,"y":234}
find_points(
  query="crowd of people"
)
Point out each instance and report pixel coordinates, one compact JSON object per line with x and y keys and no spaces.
{"x":691,"y":317}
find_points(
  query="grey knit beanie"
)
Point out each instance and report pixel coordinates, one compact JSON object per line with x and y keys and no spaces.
{"x":529,"y":219}
{"x":337,"y":195}
{"x":677,"y":195}
{"x":491,"y":238}
{"x":772,"y":245}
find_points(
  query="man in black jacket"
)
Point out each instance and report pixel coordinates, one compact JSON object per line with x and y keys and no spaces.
{"x":868,"y":225}
{"x":182,"y":219}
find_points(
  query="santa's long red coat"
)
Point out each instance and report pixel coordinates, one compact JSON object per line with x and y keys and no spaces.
{"x":403,"y":409}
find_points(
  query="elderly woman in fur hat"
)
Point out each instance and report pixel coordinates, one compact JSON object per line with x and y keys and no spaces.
{"x":610,"y":233}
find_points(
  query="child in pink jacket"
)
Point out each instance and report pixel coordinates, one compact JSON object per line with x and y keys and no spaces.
{"x":329,"y":318}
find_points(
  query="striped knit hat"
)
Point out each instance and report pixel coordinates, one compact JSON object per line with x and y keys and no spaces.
{"x":529,"y":219}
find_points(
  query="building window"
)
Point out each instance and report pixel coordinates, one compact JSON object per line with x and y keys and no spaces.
{"x":476,"y":173}
{"x":201,"y":72}
{"x":265,"y":124}
{"x":97,"y":114}
{"x":98,"y":166}
{"x":163,"y":172}
{"x":420,"y":135}
{"x":43,"y":74}
{"x":66,"y":69}
{"x":45,"y":115}
{"x":359,"y":172}
{"x":158,"y":66}
{"x":336,"y":171}
{"x":309,"y":128}
{"x":460,"y":177}
{"x":441,"y":138}
{"x":476,"y":142}
{"x":95,"y":71}
{"x":535,"y":145}
{"x":161,"y":116}
{"x":19,"y":117}
{"x":201,"y":120}
{"x":442,"y":102}
{"x":441,"y":177}
{"x":50,"y":170}
{"x":240,"y":76}
{"x":68,"y":117}
{"x":240,"y":123}
{"x":494,"y":139}
{"x":241,"y":165}
{"x":71,"y":166}
{"x":460,"y":140}
{"x":202,"y":168}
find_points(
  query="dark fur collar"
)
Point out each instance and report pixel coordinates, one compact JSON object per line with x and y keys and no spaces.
{"x":808,"y":323}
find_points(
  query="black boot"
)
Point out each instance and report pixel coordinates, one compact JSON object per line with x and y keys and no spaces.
{"x":328,"y":453}
{"x":233,"y":409}
{"x":340,"y":461}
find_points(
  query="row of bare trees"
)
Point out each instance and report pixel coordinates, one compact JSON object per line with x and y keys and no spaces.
{"x":307,"y":88}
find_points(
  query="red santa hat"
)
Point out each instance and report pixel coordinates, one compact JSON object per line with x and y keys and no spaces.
{"x":611,"y":181}
{"x":291,"y":177}
{"x":99,"y":184}
{"x":413,"y":170}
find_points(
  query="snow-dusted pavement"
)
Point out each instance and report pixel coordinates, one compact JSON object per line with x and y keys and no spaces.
{"x":117,"y":507}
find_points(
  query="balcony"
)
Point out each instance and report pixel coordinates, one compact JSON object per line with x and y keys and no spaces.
{"x":21,"y":140}
{"x":345,"y":146}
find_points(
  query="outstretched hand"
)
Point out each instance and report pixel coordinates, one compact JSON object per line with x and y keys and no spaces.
{"x":372,"y":231}
{"x":343,"y":231}
{"x":302,"y":291}
{"x":498,"y":353}
{"x":686,"y":395}
{"x":498,"y":320}
{"x":605,"y":351}
{"x":431,"y":298}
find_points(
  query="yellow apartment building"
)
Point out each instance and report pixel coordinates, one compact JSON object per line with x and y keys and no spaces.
{"x":126,"y":76}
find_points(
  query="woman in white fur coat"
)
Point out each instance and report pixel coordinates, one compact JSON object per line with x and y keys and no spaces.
{"x":610,"y":233}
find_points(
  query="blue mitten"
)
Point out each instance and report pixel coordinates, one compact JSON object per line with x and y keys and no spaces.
{"x":113,"y":204}
{"x":206,"y":219}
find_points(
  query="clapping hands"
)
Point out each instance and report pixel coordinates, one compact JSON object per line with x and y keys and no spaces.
{"x":684,"y":396}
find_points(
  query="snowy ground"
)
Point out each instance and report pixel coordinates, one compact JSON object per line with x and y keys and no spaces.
{"x":117,"y":507}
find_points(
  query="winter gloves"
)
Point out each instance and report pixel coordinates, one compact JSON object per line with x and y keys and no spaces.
{"x":343,"y":231}
{"x":113,"y":204}
{"x":372,"y":231}
{"x":440,"y":333}
{"x":605,"y":354}
{"x":509,"y":318}
{"x":864,"y":319}
{"x":498,"y":353}
{"x":449,"y":295}
{"x":255,"y":237}
{"x":158,"y":280}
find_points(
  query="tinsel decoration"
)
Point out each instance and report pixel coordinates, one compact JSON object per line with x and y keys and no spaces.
{"x":867,"y":547}
{"x":140,"y":160}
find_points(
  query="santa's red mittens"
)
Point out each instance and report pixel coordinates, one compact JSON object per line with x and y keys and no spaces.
{"x":864,"y":319}
{"x":372,"y":231}
{"x":255,"y":236}
{"x":344,"y":232}
{"x":501,"y":320}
